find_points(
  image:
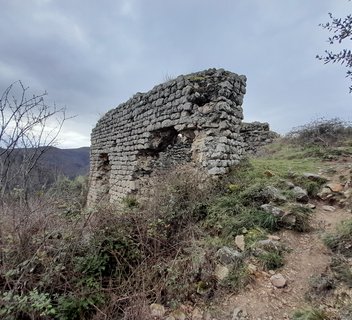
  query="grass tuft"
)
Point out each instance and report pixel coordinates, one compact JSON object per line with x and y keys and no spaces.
{"x":309,"y":314}
{"x":341,"y":240}
{"x":271,"y":260}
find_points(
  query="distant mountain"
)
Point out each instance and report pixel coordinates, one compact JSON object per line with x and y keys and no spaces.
{"x":69,"y":162}
{"x":53,"y":163}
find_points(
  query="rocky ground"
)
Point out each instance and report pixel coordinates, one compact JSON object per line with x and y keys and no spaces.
{"x":301,"y":281}
{"x":264,"y":298}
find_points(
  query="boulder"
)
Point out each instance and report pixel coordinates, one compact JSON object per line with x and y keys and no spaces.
{"x":178,"y":315}
{"x":239,"y":240}
{"x":227,"y":255}
{"x":221,"y":272}
{"x":275,"y":211}
{"x":274,"y":194}
{"x":325,"y":194}
{"x":239,"y":314}
{"x":289,"y":184}
{"x":329,"y":208}
{"x":314,"y":177}
{"x":278,"y":280}
{"x":335,"y":187}
{"x":300,"y":194}
{"x":269,"y":244}
{"x":157,"y":310}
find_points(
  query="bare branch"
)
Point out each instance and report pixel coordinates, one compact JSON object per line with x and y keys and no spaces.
{"x":28,"y":128}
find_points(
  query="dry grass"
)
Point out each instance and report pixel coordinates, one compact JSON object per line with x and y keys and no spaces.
{"x":105,"y":263}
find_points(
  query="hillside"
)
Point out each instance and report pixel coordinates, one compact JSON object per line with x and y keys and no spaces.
{"x":52,"y":163}
{"x":271,"y":240}
{"x":69,"y":162}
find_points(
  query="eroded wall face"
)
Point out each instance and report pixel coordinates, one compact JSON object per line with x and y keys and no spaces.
{"x":193,"y":119}
{"x":256,"y":135}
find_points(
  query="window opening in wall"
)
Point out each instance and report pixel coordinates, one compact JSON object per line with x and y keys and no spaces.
{"x":161,"y":139}
{"x":103,"y":176}
{"x":167,"y":147}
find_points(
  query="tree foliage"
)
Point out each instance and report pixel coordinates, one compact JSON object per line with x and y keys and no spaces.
{"x":341,"y":29}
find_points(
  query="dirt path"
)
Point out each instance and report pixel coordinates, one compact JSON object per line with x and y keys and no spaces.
{"x":309,"y":257}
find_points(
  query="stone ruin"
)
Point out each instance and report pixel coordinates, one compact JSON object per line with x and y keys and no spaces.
{"x":195,"y":118}
{"x":256,"y":134}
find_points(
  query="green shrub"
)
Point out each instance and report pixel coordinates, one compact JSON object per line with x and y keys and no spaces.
{"x":77,"y":306}
{"x":70,"y":195}
{"x":228,"y":217}
{"x":33,"y":305}
{"x":255,"y":195}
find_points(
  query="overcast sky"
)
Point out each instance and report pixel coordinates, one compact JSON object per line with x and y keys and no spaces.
{"x":92,"y":55}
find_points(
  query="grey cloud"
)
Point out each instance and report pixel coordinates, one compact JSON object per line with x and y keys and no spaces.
{"x":93,"y":55}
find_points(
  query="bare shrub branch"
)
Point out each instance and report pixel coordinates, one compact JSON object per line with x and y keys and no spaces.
{"x":321,"y":132}
{"x":28,"y":128}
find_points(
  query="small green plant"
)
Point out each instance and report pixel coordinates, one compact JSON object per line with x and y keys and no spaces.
{"x":130,"y":202}
{"x":342,"y":270}
{"x":229,"y":217}
{"x":33,"y":304}
{"x":252,"y":236}
{"x":320,"y":286}
{"x":75,"y":307}
{"x":196,"y":78}
{"x":256,"y":195}
{"x":341,"y":240}
{"x":238,"y":277}
{"x":271,"y":260}
{"x":302,"y":216}
{"x":309,"y":314}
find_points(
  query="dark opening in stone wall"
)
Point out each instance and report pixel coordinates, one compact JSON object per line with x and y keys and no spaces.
{"x":103,"y":175}
{"x":167,"y":147}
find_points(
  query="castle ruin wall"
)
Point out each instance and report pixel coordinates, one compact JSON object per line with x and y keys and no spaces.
{"x":255,"y":135}
{"x":195,"y":118}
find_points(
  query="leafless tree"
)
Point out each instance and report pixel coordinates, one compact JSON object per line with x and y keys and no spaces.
{"x":28,"y":128}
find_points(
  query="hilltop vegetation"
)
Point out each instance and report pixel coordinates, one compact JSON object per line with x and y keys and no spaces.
{"x":178,"y":253}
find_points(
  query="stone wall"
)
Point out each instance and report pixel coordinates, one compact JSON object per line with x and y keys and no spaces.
{"x":255,"y":135}
{"x":194,"y":118}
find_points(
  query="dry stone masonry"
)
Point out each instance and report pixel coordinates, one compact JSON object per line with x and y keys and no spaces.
{"x":255,"y":135}
{"x":196,"y":118}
